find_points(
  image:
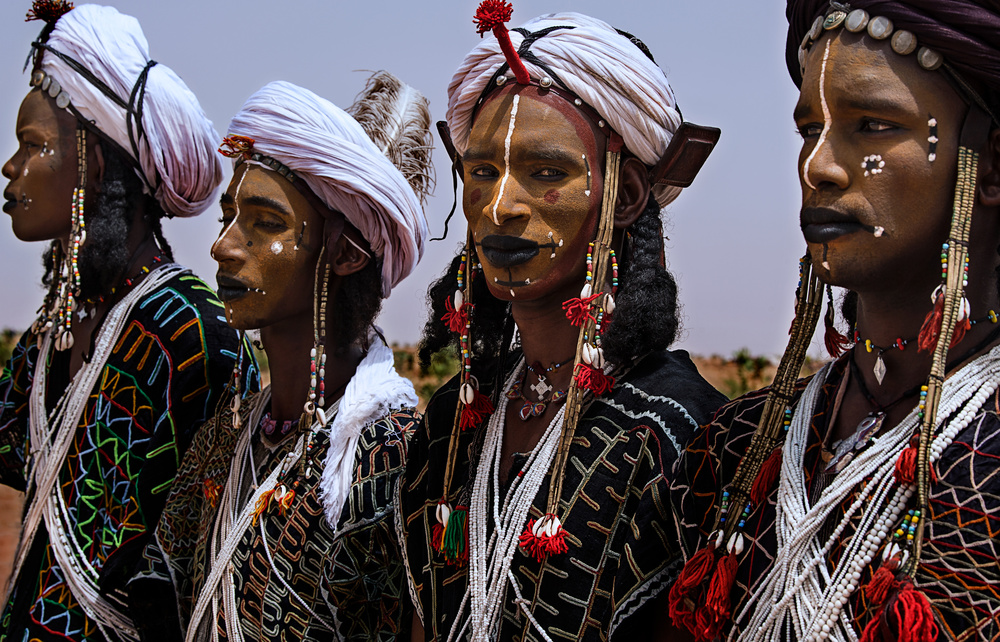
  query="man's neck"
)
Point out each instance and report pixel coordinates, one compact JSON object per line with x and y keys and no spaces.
{"x":547,"y":336}
{"x":288,"y":345}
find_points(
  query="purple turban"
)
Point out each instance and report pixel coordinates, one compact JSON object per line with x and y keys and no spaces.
{"x":965,"y":32}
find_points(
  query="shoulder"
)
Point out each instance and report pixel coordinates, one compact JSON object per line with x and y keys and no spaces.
{"x":668,"y":380}
{"x":184,"y":314}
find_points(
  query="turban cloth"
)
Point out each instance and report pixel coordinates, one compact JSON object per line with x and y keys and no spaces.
{"x":330,"y":151}
{"x":594,"y":61}
{"x":965,"y":32}
{"x":176,"y":141}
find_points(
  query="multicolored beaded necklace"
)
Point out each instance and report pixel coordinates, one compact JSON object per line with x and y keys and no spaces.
{"x":541,"y":388}
{"x":900,"y":344}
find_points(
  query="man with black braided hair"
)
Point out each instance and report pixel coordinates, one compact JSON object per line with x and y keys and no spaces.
{"x":862,"y":503}
{"x":564,"y":181}
{"x":130,"y":352}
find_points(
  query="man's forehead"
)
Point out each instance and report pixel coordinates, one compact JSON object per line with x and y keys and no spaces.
{"x":537,"y":107}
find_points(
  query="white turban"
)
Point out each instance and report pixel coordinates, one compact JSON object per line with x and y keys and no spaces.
{"x":330,"y":151}
{"x":177,"y":150}
{"x":605,"y":69}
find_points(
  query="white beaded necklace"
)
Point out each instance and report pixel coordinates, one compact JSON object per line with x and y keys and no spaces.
{"x":799,"y":595}
{"x":490,"y":558}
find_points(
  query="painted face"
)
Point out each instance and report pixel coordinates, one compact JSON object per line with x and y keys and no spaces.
{"x":43,"y":171}
{"x":532,"y":191}
{"x":267,"y":250}
{"x":877,"y":166}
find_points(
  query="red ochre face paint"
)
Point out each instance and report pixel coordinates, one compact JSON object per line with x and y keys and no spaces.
{"x":533,"y":191}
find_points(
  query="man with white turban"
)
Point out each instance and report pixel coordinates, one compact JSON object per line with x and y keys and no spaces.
{"x":129,"y":354}
{"x":569,"y":142}
{"x":280,"y":524}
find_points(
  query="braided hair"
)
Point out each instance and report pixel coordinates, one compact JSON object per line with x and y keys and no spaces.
{"x":646,"y":317}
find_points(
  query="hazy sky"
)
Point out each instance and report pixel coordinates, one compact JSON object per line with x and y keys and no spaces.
{"x":734,"y":237}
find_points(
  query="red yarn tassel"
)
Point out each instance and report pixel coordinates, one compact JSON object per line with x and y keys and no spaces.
{"x":474,"y":413}
{"x":906,"y":464}
{"x":542,"y":546}
{"x":883,"y":583}
{"x":456,"y":320}
{"x":931,"y":328}
{"x":578,"y":310}
{"x":907,"y":618}
{"x":212,"y":492}
{"x":491,"y":16}
{"x":961,"y":328}
{"x":593,"y":379}
{"x":836,"y":343}
{"x":766,"y":478}
{"x":437,"y":535}
{"x":715,"y":613}
{"x":682,"y":598}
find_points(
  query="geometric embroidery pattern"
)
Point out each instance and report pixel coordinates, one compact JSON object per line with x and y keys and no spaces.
{"x":160,"y":382}
{"x":613,"y":508}
{"x":354,"y":581}
{"x":959,"y":571}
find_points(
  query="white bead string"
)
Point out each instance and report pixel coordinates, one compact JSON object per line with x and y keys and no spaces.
{"x":490,"y":557}
{"x":799,"y":597}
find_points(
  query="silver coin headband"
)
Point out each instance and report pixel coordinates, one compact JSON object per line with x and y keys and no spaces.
{"x":51,"y":86}
{"x":902,"y":41}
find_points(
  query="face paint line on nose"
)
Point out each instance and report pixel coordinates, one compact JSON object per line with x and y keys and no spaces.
{"x":826,"y":118}
{"x":236,"y":204}
{"x":506,"y":157}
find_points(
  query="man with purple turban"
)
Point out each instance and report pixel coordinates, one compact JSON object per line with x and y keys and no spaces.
{"x":129,"y":353}
{"x":862,"y":502}
{"x":280,"y":525}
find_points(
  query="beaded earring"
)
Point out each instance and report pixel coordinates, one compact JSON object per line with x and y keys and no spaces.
{"x":449,"y":534}
{"x":67,"y":281}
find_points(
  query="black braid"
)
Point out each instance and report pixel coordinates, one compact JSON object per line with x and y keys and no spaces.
{"x":154,"y":218}
{"x":356,"y":304}
{"x":487,"y":317}
{"x":105,"y":255}
{"x":646,"y":315}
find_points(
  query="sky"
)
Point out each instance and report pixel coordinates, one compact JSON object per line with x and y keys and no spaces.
{"x":734,"y":239}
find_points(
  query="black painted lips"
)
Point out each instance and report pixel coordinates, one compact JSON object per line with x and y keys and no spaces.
{"x":507,"y":251}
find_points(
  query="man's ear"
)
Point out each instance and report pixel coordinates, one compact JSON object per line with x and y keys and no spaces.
{"x":97,"y":167}
{"x":348,"y":257}
{"x":633,"y":192}
{"x":989,"y":178}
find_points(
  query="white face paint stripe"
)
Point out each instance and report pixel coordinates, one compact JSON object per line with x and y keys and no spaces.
{"x":236,"y":203}
{"x":506,"y":157}
{"x":826,"y":118}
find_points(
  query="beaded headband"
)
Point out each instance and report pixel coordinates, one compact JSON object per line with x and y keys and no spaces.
{"x":240,"y":148}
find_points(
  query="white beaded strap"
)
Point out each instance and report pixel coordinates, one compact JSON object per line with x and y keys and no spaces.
{"x":50,"y":439}
{"x":804,"y":599}
{"x":490,"y":558}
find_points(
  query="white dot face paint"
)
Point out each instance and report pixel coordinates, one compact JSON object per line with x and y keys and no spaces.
{"x":506,"y":158}
{"x":826,"y":118}
{"x":277,"y":247}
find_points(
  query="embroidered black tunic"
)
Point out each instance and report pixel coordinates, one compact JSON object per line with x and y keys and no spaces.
{"x":959,"y":571}
{"x":345,"y":585}
{"x":614,"y":509}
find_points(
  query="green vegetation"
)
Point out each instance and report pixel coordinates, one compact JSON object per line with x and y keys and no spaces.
{"x":749,"y":374}
{"x":8,"y":339}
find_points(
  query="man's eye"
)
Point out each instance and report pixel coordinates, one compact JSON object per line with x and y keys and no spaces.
{"x":484,"y":171}
{"x":810,"y":130}
{"x":872,"y":125}
{"x":270,"y":225}
{"x":550,"y":173}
